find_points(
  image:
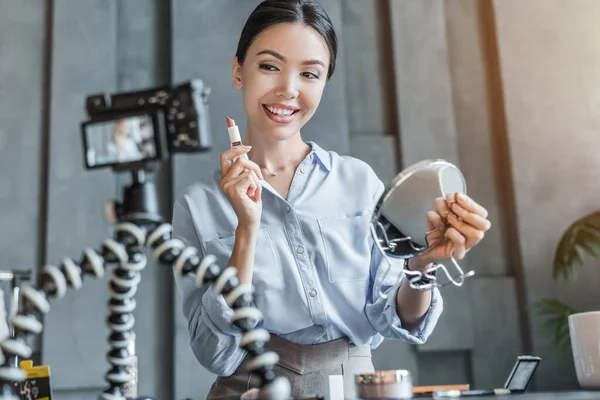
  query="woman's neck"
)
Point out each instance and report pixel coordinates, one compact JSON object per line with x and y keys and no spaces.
{"x":276,"y":155}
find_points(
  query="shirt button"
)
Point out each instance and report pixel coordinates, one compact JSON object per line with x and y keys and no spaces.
{"x":300,"y":250}
{"x":312,"y":293}
{"x":302,"y":170}
{"x":288,"y":209}
{"x":320,"y":328}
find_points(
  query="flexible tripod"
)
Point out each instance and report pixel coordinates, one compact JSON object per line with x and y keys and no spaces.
{"x":139,"y":226}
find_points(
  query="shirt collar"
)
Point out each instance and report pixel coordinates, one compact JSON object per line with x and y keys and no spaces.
{"x":321,"y":155}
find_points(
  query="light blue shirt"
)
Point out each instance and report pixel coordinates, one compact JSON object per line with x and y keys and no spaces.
{"x":316,"y":269}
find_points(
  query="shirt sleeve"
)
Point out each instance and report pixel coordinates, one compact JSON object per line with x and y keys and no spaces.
{"x":213,"y":339}
{"x":386,"y":279}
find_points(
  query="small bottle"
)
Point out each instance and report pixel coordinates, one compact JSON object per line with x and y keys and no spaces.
{"x":130,"y":389}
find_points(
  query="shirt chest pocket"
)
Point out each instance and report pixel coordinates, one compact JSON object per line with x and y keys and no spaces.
{"x":267,"y":275}
{"x":346,"y":247}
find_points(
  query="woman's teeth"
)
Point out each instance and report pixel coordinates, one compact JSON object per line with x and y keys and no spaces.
{"x":280,"y":111}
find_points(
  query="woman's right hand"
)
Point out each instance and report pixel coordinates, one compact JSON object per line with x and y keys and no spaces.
{"x":240,"y":182}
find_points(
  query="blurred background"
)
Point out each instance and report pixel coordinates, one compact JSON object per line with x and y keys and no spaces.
{"x":509,"y":90}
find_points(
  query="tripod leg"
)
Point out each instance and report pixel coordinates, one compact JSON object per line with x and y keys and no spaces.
{"x":54,"y":284}
{"x":185,"y":261}
{"x":123,"y":286}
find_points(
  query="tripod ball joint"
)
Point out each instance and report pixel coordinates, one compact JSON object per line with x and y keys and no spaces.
{"x":187,"y":262}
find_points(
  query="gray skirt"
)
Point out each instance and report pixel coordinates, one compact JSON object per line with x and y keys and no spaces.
{"x":307,"y":367}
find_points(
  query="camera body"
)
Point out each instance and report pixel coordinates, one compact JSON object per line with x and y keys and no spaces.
{"x":129,"y":130}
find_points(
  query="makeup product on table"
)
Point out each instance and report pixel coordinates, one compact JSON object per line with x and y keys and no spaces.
{"x":427,"y":391}
{"x":394,"y":384}
{"x":234,"y":136}
{"x":451,"y":394}
{"x":522,"y":372}
{"x":336,"y":387}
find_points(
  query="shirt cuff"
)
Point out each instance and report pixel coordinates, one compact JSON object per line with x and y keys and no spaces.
{"x":421,"y":333}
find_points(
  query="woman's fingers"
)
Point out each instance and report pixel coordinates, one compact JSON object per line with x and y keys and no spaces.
{"x":434,"y":221}
{"x":471,"y":205}
{"x":230,"y":154}
{"x":241,"y":178}
{"x":258,"y":188}
{"x":450,"y":198}
{"x":471,"y":218}
{"x":238,"y":187}
{"x":435,"y":227}
{"x":458,"y":243}
{"x":254,"y":185}
{"x":471,"y":235}
{"x":441,"y":207}
{"x":239,"y":166}
{"x":245,"y":185}
{"x":232,"y":172}
{"x":252,"y":166}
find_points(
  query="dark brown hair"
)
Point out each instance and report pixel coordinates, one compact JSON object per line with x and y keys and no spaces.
{"x":271,"y":12}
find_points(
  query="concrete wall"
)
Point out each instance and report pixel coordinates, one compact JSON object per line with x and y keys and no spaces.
{"x":505,"y":89}
{"x":550,"y":69}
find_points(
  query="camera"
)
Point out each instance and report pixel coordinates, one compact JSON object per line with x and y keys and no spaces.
{"x":129,"y":130}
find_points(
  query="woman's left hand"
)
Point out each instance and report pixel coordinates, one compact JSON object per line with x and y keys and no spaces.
{"x":463,"y":224}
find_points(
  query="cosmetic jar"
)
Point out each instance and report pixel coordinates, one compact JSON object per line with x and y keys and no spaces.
{"x":393,"y":384}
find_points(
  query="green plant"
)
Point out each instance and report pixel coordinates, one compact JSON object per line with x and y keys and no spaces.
{"x":583,"y":236}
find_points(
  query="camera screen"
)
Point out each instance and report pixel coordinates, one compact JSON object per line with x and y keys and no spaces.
{"x":122,"y":140}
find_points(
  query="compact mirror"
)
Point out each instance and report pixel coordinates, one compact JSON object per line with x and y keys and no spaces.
{"x":399,"y":223}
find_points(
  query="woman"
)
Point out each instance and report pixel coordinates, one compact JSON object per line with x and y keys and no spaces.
{"x":125,"y":147}
{"x":293,"y":219}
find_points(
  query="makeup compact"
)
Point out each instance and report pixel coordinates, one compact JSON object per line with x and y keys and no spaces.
{"x":393,"y":384}
{"x":517,"y":381}
{"x":521,"y":373}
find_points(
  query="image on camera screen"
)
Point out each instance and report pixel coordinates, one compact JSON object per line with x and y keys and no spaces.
{"x":122,"y":140}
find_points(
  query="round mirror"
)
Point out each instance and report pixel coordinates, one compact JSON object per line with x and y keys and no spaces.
{"x":399,"y":223}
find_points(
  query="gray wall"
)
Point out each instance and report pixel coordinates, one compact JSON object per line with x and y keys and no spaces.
{"x":551,"y":85}
{"x":456,"y":79}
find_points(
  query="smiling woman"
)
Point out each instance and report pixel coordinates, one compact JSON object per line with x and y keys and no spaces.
{"x":282,"y":80}
{"x":289,"y":220}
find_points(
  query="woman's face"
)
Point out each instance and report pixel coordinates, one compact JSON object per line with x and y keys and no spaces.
{"x":121,"y":128}
{"x":282,"y":78}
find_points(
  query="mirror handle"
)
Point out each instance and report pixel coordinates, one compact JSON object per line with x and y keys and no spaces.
{"x":426,"y":281}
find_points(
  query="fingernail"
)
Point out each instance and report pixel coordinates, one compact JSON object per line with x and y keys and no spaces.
{"x":246,"y":147}
{"x":461,"y":197}
{"x":457,"y":207}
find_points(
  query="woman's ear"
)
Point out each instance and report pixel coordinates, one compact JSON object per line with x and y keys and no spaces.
{"x":236,"y":73}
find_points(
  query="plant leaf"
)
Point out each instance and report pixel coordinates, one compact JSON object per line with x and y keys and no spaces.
{"x":555,"y":325}
{"x":583,"y":236}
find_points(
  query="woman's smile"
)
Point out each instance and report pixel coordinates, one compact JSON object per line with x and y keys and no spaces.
{"x":281,"y":113}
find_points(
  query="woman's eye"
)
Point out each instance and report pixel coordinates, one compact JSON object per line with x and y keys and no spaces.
{"x":268,"y":67}
{"x":310,"y":75}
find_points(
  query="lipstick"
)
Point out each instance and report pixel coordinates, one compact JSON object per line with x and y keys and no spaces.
{"x":234,"y":136}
